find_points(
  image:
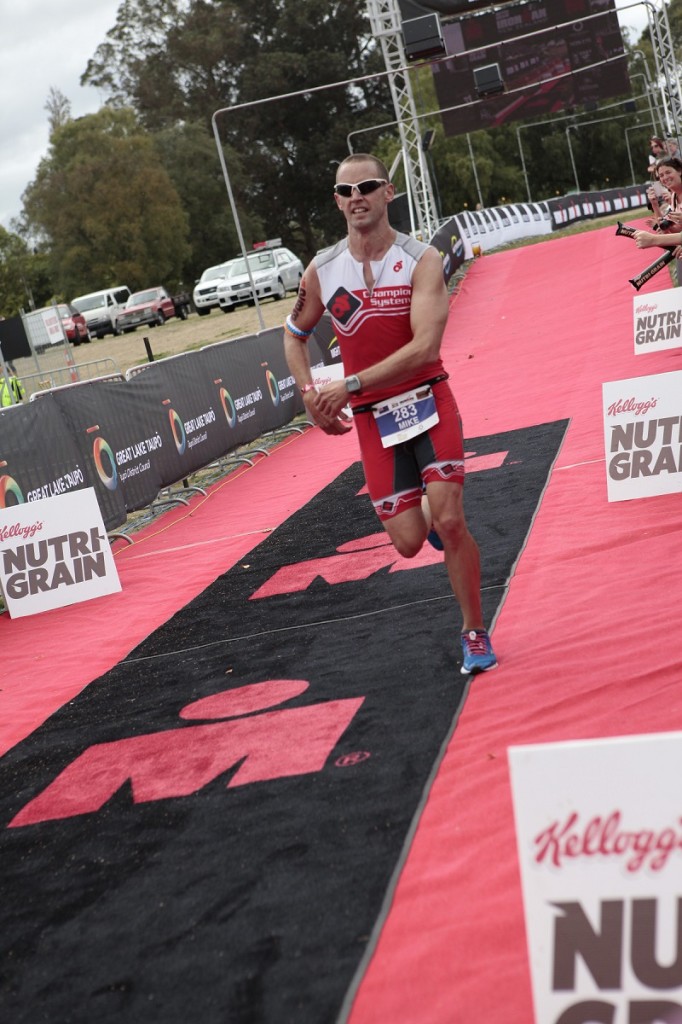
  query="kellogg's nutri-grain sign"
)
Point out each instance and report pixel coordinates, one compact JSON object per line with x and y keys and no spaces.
{"x":643,"y":436}
{"x":599,"y":838}
{"x":54,"y":552}
{"x":657,"y":321}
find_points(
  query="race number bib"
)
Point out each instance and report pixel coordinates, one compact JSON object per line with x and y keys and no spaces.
{"x":405,"y":416}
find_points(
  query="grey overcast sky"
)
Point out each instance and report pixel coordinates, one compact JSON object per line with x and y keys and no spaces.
{"x":47,"y":43}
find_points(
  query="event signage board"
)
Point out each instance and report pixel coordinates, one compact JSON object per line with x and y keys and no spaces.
{"x":657,"y":321}
{"x":52,"y":325}
{"x":599,"y":838}
{"x":643,"y":436}
{"x":55,"y":552}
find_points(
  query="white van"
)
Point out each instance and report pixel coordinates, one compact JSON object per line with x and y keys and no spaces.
{"x":102,"y":309}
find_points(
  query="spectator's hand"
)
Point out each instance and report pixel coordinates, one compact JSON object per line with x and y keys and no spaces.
{"x":645,"y":239}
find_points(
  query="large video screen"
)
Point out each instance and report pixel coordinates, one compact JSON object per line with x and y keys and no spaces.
{"x":541,"y":49}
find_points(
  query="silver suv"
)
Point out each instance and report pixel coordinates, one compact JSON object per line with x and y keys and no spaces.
{"x":275,"y":271}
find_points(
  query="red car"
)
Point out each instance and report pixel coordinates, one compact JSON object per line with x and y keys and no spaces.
{"x":152,"y":306}
{"x":74,"y":323}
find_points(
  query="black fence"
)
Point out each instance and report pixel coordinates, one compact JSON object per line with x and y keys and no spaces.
{"x":131,"y":439}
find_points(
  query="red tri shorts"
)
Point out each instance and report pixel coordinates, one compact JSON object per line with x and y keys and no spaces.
{"x":395,"y":475}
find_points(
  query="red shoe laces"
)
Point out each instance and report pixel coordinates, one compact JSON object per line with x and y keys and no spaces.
{"x":476,"y":642}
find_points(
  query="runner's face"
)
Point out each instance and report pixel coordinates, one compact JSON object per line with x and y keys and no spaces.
{"x":362,"y":212}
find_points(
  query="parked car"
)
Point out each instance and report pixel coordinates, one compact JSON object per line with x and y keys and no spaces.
{"x":274,"y":271}
{"x":102,"y":309}
{"x":73,"y":323}
{"x":204,"y":295}
{"x":152,"y":306}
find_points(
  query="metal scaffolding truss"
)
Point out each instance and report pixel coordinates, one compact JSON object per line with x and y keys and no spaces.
{"x":385,"y":22}
{"x":667,"y":70}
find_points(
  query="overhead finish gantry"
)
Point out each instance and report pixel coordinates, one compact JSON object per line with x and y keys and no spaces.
{"x":386,"y":24}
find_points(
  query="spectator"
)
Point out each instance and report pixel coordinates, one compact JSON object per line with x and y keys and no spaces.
{"x":668,"y":227}
{"x":12,"y":390}
{"x":657,"y":150}
{"x":656,"y":195}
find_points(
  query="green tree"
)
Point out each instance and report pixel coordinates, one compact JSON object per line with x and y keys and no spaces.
{"x":189,"y":155}
{"x":133,"y":65}
{"x":211,"y":55}
{"x":104,"y":208}
{"x":24,"y":281}
{"x":294,"y":143}
{"x":58,"y":109}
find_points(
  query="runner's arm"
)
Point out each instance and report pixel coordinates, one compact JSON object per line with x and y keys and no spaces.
{"x":305,"y":315}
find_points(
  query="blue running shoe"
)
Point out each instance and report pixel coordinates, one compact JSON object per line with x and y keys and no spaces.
{"x":434,"y":540}
{"x":478,"y":652}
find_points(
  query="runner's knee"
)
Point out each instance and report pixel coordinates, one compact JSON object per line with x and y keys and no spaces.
{"x":408,"y":547}
{"x":450,"y":526}
{"x":408,"y":538}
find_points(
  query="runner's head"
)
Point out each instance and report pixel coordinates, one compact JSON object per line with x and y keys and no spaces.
{"x":363,"y":190}
{"x":378,"y":170}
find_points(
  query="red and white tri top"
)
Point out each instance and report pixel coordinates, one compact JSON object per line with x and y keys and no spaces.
{"x":373,"y":325}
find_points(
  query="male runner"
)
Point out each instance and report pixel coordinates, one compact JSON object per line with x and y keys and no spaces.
{"x":387,"y":298}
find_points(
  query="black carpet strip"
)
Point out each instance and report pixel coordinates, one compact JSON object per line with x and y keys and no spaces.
{"x":207,"y":832}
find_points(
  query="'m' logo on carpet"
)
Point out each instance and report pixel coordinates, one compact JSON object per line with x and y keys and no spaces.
{"x":178,"y":762}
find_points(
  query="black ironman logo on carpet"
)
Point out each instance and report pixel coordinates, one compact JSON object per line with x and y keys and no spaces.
{"x":179,"y":762}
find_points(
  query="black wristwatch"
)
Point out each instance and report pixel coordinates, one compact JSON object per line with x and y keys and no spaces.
{"x":353,"y":384}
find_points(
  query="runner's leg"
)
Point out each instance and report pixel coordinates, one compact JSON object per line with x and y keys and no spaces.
{"x":407,"y":531}
{"x":462,"y":558}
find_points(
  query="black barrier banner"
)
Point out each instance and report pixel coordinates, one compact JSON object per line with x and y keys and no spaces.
{"x":128,"y":439}
{"x":240,"y":388}
{"x":40,"y":458}
{"x":324,"y":340}
{"x":114,"y":432}
{"x":585,"y":205}
{"x":282,"y":400}
{"x":184,"y":409}
{"x":448,"y":241}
